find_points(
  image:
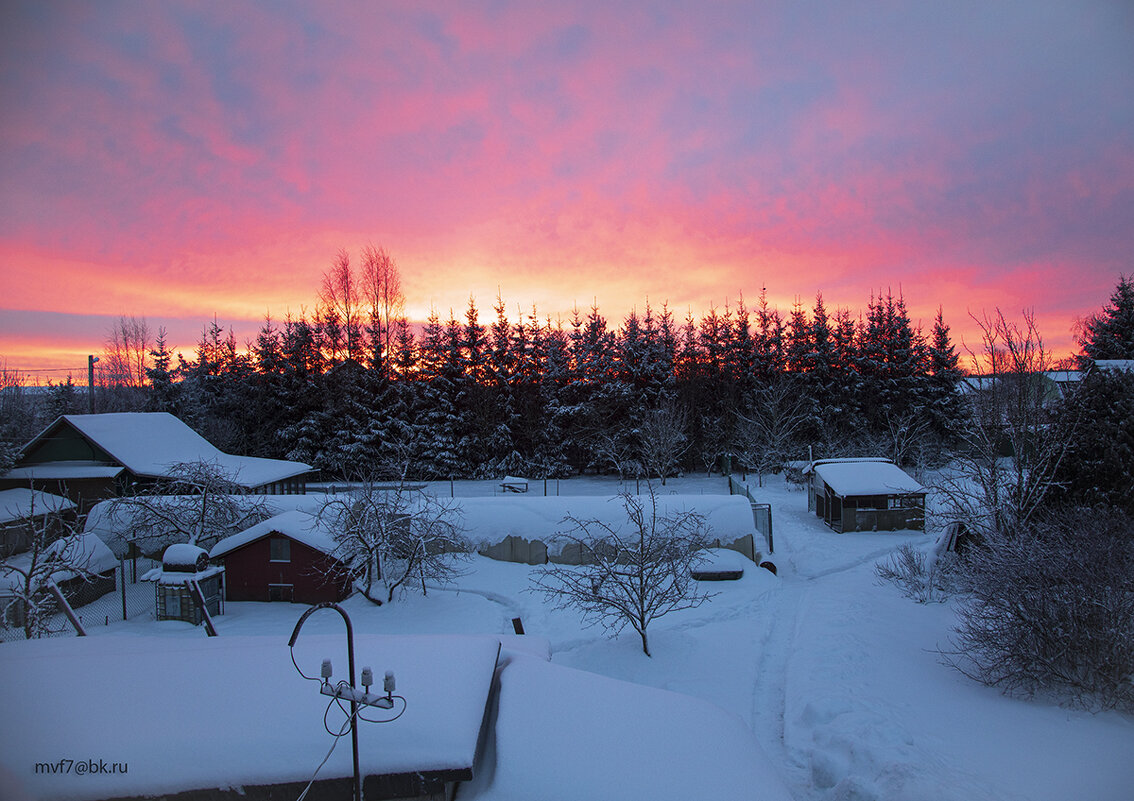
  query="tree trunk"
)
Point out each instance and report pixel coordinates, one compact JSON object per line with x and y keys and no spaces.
{"x":645,"y":644}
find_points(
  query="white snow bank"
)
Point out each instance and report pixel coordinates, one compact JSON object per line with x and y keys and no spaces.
{"x":489,"y":520}
{"x":229,"y":711}
{"x":564,"y":735}
{"x":722,"y":559}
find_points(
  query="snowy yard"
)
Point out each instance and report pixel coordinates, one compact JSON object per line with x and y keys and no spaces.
{"x":834,"y":674}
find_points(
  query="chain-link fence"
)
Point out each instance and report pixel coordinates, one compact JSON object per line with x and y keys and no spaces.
{"x":130,"y":599}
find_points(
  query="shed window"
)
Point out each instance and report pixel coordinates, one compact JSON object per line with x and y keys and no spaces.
{"x":280,"y":549}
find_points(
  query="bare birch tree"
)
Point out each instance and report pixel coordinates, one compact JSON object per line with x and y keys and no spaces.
{"x":382,"y":288}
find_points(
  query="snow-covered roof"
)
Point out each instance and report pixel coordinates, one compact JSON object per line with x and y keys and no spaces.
{"x":298,"y":525}
{"x":563,"y":734}
{"x":1115,"y":364}
{"x":810,"y":466}
{"x":263,"y":724}
{"x":21,"y":502}
{"x":866,"y":478}
{"x":151,"y":443}
{"x":85,"y":551}
{"x":490,"y":520}
{"x":64,"y":471}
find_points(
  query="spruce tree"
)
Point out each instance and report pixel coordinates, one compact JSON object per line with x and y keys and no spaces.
{"x":1110,"y":333}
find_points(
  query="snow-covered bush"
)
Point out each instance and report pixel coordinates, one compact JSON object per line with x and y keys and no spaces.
{"x":924,"y":579}
{"x":1051,"y":608}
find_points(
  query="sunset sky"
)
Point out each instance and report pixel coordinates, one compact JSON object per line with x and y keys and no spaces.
{"x":181,"y":160}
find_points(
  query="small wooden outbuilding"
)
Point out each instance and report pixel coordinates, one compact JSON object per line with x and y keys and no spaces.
{"x":865,"y":495}
{"x":289,"y":557}
{"x":27,"y":513}
{"x":189,"y":587}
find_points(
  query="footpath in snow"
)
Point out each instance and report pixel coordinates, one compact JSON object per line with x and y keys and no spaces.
{"x":835,"y":675}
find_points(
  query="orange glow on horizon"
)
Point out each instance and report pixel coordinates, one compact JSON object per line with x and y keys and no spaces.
{"x":559,"y":155}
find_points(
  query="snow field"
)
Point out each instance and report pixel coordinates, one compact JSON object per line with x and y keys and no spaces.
{"x":835,"y":676}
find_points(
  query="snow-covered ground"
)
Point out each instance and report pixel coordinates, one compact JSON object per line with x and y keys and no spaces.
{"x":835,"y":674}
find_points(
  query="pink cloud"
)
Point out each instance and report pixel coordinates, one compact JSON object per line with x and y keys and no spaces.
{"x":189,"y":161}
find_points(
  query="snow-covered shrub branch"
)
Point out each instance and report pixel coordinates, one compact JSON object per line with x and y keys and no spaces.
{"x":201,"y":504}
{"x":55,"y":552}
{"x":395,"y":534}
{"x":925,"y":579}
{"x":1051,"y":607}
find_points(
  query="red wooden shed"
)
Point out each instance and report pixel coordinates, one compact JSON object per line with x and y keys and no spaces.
{"x":289,"y":557}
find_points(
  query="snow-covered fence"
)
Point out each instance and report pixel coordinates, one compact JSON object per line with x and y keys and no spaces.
{"x":132,"y":599}
{"x":761,"y":512}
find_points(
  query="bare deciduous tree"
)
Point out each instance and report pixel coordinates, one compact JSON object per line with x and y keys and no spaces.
{"x":200,"y":503}
{"x":618,"y":452}
{"x":662,"y":441}
{"x":764,"y":437}
{"x":341,"y":300}
{"x":55,"y":551}
{"x":395,"y":534}
{"x":382,"y":287}
{"x":1049,"y":608}
{"x":904,"y":436}
{"x":1009,"y":449}
{"x":125,"y":354}
{"x":635,"y":569}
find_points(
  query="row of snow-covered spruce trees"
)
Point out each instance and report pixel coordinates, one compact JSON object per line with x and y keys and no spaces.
{"x":539,"y":398}
{"x":356,"y":391}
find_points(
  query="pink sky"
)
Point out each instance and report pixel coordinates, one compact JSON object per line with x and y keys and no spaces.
{"x":180,"y":161}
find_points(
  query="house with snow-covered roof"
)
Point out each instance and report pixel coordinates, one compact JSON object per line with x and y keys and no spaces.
{"x":88,"y":457}
{"x":25,"y":512}
{"x":289,"y":557}
{"x":865,"y":495}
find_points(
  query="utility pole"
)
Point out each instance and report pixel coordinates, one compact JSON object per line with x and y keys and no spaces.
{"x":90,"y":381}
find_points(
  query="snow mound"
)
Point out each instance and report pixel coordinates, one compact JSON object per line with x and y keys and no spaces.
{"x":487,"y":521}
